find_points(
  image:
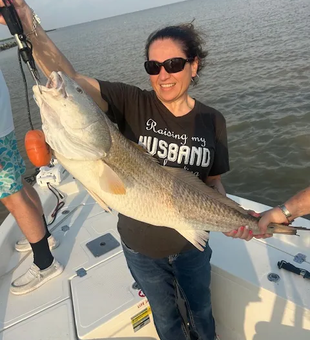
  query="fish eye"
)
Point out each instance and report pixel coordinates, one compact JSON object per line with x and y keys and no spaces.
{"x":79,"y":90}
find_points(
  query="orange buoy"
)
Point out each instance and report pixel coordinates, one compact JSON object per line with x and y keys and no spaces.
{"x":38,"y":151}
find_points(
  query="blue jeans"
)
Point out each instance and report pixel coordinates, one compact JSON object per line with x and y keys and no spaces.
{"x":159,"y":278}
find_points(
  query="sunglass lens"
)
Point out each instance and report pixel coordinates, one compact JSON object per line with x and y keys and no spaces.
{"x":175,"y":65}
{"x":152,"y":67}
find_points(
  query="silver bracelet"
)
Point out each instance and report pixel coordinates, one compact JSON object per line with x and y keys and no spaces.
{"x":35,"y":21}
{"x":285,"y":211}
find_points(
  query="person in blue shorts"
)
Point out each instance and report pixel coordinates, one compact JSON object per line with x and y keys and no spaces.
{"x":23,"y":202}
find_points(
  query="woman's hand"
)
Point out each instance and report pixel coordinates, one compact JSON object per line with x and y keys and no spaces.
{"x":245,"y":234}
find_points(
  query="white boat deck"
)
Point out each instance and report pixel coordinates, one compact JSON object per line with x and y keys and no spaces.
{"x":100,"y":301}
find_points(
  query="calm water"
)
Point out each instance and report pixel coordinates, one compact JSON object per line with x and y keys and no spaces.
{"x":258,"y":76}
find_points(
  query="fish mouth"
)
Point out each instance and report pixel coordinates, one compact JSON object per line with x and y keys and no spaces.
{"x":56,"y":82}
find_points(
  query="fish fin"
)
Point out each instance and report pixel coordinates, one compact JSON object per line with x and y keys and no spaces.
{"x":99,"y":201}
{"x":198,"y":238}
{"x":110,"y":181}
{"x":192,"y":180}
{"x":143,"y":150}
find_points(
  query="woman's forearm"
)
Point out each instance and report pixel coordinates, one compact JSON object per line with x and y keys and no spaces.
{"x":47,"y":56}
{"x":216,"y":183}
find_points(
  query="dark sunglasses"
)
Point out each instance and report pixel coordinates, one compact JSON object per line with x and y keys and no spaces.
{"x":173,"y":65}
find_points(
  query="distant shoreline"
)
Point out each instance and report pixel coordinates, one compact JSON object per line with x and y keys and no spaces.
{"x":6,"y":45}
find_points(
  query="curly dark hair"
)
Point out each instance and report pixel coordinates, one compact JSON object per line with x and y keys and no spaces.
{"x":188,"y":37}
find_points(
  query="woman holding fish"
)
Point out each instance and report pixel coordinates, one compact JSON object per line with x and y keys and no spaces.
{"x":179,"y":132}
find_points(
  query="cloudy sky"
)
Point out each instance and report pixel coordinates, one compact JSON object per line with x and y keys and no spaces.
{"x":60,"y":13}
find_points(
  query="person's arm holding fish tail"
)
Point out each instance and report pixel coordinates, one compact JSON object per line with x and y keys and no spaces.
{"x":48,"y":57}
{"x":298,"y":205}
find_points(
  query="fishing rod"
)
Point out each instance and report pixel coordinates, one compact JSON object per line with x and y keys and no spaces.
{"x":16,"y":29}
{"x":24,"y":47}
{"x":39,"y":153}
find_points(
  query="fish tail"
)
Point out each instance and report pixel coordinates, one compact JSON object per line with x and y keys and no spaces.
{"x":284,"y":229}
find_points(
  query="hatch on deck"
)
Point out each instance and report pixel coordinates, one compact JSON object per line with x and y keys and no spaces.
{"x":107,"y":303}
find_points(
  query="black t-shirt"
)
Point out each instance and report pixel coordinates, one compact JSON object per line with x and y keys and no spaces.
{"x":196,"y":142}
